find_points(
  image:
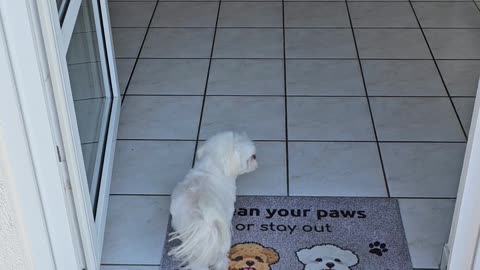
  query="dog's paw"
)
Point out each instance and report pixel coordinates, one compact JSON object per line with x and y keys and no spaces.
{"x":378,"y":248}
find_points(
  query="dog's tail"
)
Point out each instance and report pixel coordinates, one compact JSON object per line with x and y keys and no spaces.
{"x":202,"y":241}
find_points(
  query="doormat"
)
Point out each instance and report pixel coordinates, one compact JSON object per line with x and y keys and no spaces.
{"x":315,"y":233}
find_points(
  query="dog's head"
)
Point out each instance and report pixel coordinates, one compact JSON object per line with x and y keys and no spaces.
{"x":233,"y":152}
{"x":251,"y":256}
{"x":327,"y":257}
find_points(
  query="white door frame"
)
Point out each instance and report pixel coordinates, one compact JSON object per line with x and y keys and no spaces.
{"x":463,"y":244}
{"x":104,"y":192}
{"x":30,"y":142}
{"x":56,"y":49}
{"x":36,"y":46}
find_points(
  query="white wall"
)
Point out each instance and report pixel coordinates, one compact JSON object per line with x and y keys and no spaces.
{"x":12,"y":247}
{"x":24,"y":238}
{"x":13,"y":252}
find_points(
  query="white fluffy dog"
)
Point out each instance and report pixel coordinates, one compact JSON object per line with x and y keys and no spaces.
{"x":203,"y":203}
{"x":327,"y":257}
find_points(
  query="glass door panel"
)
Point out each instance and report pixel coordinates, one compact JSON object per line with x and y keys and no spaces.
{"x":62,"y":6}
{"x":91,"y":91}
{"x":60,"y":3}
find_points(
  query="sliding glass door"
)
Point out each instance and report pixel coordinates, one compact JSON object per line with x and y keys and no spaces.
{"x":91,"y":90}
{"x":89,"y":109}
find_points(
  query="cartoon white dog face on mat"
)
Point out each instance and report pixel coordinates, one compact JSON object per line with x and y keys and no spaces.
{"x":327,"y":257}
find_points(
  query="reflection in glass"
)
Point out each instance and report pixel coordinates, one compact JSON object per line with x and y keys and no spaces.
{"x":59,"y":3}
{"x":62,"y":6}
{"x":91,"y":93}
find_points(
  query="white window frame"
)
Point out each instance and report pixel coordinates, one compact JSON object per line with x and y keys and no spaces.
{"x":463,"y":245}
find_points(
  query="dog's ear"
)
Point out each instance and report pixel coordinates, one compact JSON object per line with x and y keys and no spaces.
{"x":232,"y":162}
{"x":303,"y":255}
{"x":272,"y":255}
{"x":234,"y":250}
{"x":349,"y":258}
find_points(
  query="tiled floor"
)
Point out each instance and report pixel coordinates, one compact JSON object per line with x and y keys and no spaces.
{"x":327,"y":123}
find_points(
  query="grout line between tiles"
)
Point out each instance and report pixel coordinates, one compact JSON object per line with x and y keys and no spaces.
{"x":425,"y":198}
{"x":368,"y":100}
{"x":439,"y":72}
{"x":262,"y":195}
{"x":206,"y":83}
{"x":277,"y":1}
{"x":296,"y":96}
{"x":297,"y":141}
{"x":304,"y":58}
{"x":297,"y":27}
{"x":139,"y":52}
{"x":287,"y":163}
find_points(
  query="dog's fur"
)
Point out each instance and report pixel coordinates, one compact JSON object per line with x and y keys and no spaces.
{"x":203,"y":203}
{"x":325,"y":257}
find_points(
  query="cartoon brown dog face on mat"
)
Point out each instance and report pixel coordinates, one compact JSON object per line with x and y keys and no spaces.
{"x":252,"y":256}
